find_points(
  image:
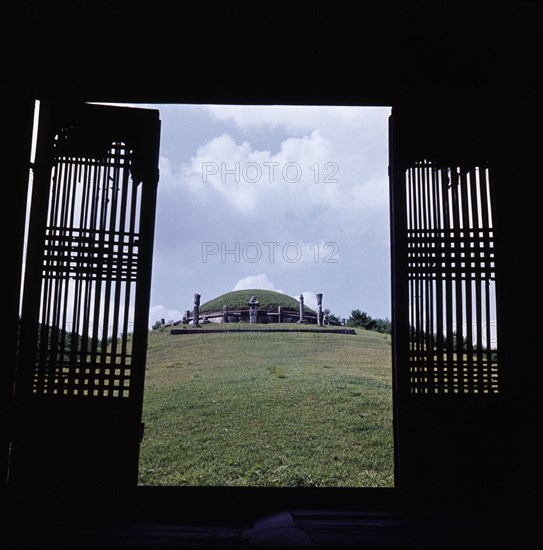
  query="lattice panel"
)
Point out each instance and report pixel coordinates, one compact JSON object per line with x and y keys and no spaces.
{"x":451,"y":269}
{"x":89,"y":272}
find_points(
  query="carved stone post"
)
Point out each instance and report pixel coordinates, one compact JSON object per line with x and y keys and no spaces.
{"x":319,"y":310}
{"x":302,"y":319}
{"x":279,"y":314}
{"x":225,"y":314}
{"x":196,"y":314}
{"x":253,"y":310}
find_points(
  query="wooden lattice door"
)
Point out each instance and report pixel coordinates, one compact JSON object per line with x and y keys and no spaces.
{"x":448,"y":382}
{"x":451,"y":272}
{"x":84,"y":316}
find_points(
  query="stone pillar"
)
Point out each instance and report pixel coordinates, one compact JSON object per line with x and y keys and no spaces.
{"x":253,"y":310}
{"x":302,"y":319}
{"x":280,"y":314}
{"x":196,"y":313}
{"x":319,"y":310}
{"x":225,"y":314}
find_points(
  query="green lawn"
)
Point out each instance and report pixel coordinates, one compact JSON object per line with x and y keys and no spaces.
{"x":268,"y":409}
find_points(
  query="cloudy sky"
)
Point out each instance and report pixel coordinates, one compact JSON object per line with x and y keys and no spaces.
{"x":293,"y":199}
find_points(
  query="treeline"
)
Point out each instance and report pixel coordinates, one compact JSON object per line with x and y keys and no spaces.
{"x":452,"y":341}
{"x":66,"y":342}
{"x":362,"y":320}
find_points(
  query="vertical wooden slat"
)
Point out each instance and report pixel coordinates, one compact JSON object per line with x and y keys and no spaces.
{"x":86,"y":251}
{"x":399,"y":186}
{"x":410,"y":194}
{"x":105,"y":242}
{"x":457,"y":274}
{"x":43,"y":374}
{"x":418,"y":280}
{"x":489,"y":268}
{"x":420,"y":275}
{"x":127,"y":228}
{"x":431,"y":264}
{"x":78,"y":310}
{"x":130,"y":257}
{"x":494,"y":279}
{"x":439,"y":341}
{"x":115,"y":258}
{"x":448,"y":347}
{"x":478,"y":224}
{"x":428,"y":329}
{"x":59,"y":262}
{"x":142,"y":299}
{"x":124,"y":183}
{"x":100,"y":176}
{"x":464,"y":178}
{"x":65,"y":254}
{"x":92,"y":289}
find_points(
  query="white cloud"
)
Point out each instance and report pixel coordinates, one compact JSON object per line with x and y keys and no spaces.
{"x":156,"y":313}
{"x":327,"y":180}
{"x":310,"y":299}
{"x":241,"y":196}
{"x":168,"y":177}
{"x":295,"y":118}
{"x":308,"y":175}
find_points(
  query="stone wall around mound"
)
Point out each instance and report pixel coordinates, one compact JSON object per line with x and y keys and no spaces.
{"x":264,"y":317}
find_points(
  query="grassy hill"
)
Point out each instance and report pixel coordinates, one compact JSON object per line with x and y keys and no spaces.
{"x":268,"y":409}
{"x":237,"y":299}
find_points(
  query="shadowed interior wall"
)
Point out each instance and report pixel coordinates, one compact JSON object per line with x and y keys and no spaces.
{"x":446,"y":56}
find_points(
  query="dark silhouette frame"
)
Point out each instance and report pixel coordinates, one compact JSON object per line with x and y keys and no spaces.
{"x":462,"y":79}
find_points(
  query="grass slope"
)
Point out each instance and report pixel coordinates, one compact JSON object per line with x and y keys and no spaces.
{"x":265,"y":409}
{"x":237,"y":299}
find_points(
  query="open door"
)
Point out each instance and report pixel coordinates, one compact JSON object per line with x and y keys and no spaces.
{"x":449,"y":381}
{"x":84,"y":321}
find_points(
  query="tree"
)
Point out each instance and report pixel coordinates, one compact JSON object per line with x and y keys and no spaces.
{"x":359,"y":319}
{"x":332,"y":319}
{"x":363,"y":320}
{"x":383,"y":325}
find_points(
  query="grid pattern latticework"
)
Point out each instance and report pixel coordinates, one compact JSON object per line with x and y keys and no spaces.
{"x":89,"y":271}
{"x":451,"y":270}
